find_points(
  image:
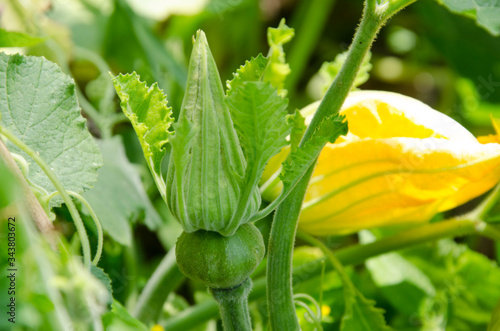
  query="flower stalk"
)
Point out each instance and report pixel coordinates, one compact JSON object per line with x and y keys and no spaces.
{"x":233,"y":306}
{"x":283,"y":231}
{"x":282,"y":237}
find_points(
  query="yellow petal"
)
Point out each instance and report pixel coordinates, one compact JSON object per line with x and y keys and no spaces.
{"x":380,"y":114}
{"x":377,"y":182}
{"x":491,"y":138}
{"x":401,"y":162}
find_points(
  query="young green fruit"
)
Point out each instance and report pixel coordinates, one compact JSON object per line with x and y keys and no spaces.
{"x":207,"y":166}
{"x":217,"y":261}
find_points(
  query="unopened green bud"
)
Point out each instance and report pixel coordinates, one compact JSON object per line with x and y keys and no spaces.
{"x":207,"y":166}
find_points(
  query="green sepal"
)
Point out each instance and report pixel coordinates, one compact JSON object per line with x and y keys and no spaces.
{"x":146,"y":107}
{"x":181,"y":141}
{"x":208,"y":174}
{"x":304,"y":156}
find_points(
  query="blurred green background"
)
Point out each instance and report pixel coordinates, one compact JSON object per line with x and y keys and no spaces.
{"x":426,"y":52}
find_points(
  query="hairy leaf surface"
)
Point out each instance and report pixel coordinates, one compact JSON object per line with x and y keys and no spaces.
{"x":38,"y":104}
{"x":259,"y":115}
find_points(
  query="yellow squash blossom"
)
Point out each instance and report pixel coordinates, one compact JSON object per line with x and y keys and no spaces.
{"x":401,"y":162}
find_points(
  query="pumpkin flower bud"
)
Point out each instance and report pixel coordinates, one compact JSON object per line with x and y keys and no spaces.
{"x":401,"y":162}
{"x":207,"y":166}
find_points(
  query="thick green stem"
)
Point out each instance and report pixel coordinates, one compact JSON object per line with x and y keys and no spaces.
{"x":166,"y":278}
{"x":336,"y":94}
{"x":352,"y":255}
{"x":279,"y":273}
{"x":280,"y":300}
{"x":82,"y":233}
{"x":233,"y":306}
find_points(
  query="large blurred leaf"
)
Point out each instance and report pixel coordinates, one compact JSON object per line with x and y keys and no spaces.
{"x":495,"y":319}
{"x":130,"y":44}
{"x":17,"y":39}
{"x":404,"y":285}
{"x":485,"y":12}
{"x":38,"y":104}
{"x":118,"y":197}
{"x":120,"y":319}
{"x":362,"y":315}
{"x":468,"y":49}
{"x":468,"y":282}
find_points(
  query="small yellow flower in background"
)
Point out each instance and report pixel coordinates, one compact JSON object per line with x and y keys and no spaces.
{"x":325,"y":310}
{"x":400,"y":163}
{"x":157,"y":327}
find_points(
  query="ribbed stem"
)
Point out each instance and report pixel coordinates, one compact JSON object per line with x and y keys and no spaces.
{"x":233,"y":306}
{"x":279,"y":273}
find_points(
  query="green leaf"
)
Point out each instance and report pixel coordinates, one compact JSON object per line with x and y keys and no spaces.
{"x":361,"y":314}
{"x":469,"y":282}
{"x":259,"y":115}
{"x":494,"y":324}
{"x":17,"y":39}
{"x":273,"y":68}
{"x":330,"y":70}
{"x":143,"y":50}
{"x":299,"y":127}
{"x":120,"y":319}
{"x":486,"y":13}
{"x":402,"y":283}
{"x":118,"y":197}
{"x":146,"y":107}
{"x":251,"y":71}
{"x":278,"y":69}
{"x":303,"y":157}
{"x":103,"y":278}
{"x":38,"y":104}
